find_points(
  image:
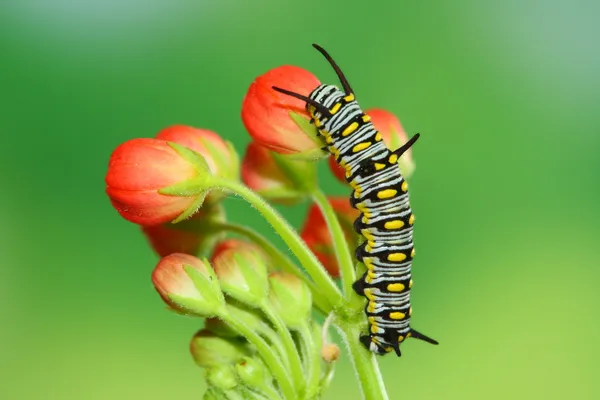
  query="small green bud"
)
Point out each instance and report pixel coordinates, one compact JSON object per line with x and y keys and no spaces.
{"x":221,"y":377}
{"x":243,"y":274}
{"x":253,"y":374}
{"x":290,"y":298}
{"x":188,"y":285}
{"x":212,"y":394}
{"x":209,"y":349}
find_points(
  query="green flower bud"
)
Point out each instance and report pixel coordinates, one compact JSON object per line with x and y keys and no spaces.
{"x":188,"y":285}
{"x":255,"y":375}
{"x":221,"y":377}
{"x":290,"y":298}
{"x":209,"y":350}
{"x":243,"y":274}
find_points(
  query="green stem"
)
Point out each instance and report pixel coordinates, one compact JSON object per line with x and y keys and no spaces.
{"x":364,"y":363}
{"x":272,"y":361}
{"x":308,"y":260}
{"x":268,"y":333}
{"x":290,"y":347}
{"x":279,"y":259}
{"x":340,"y":245}
{"x":312,"y":344}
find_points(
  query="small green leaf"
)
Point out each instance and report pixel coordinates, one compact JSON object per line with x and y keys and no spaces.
{"x":192,"y":157}
{"x":208,"y":286}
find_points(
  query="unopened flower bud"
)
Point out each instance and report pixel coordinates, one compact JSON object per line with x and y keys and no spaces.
{"x":254,"y":375}
{"x":188,"y":285}
{"x":278,"y":121}
{"x":219,"y":154}
{"x":277,"y":177}
{"x":222,"y":377}
{"x":243,"y":274}
{"x":148,"y":181}
{"x":209,"y":349}
{"x":194,"y":236}
{"x":290,"y":298}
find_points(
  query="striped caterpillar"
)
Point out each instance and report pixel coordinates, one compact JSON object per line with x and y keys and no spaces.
{"x":381,"y":195}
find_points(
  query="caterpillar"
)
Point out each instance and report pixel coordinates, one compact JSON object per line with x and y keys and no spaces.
{"x":380,"y":193}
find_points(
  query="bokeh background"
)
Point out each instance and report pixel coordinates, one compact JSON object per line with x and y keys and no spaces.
{"x":505,"y":93}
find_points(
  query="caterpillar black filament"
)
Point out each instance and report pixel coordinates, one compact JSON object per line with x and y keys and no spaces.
{"x":381,"y":195}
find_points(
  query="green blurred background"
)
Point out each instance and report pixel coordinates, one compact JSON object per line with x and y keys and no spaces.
{"x":505,"y":94}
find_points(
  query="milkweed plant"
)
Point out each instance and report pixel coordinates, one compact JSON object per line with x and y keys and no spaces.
{"x":258,"y":305}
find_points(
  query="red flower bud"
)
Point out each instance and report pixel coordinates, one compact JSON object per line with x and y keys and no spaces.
{"x":219,"y":154}
{"x":188,"y":285}
{"x":235,"y":244}
{"x":137,"y":170}
{"x":192,"y":236}
{"x":276,"y":177}
{"x":393,"y":135}
{"x":266,"y":113}
{"x":317,"y":236}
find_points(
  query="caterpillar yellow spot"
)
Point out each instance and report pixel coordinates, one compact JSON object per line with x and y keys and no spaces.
{"x":396,"y":257}
{"x":393,"y":159}
{"x":395,"y":287}
{"x":371,"y":306}
{"x":369,"y":264}
{"x":370,"y":243}
{"x":396,"y":224}
{"x":360,"y":147}
{"x":404,"y":186}
{"x":367,"y":235}
{"x":400,"y":338}
{"x":368,"y":249}
{"x":378,"y":137}
{"x":379,"y":166}
{"x":412,"y":253}
{"x":374,"y":328}
{"x":410,"y":283}
{"x":328,"y":139}
{"x":366,"y":118}
{"x":388,"y":349}
{"x":336,"y":107}
{"x":350,"y":128}
{"x":397,"y":315}
{"x":317,"y":122}
{"x":348,"y":172}
{"x":387,"y":193}
{"x":371,"y":320}
{"x":364,"y":220}
{"x":408,"y":334}
{"x":369,"y":295}
{"x":371,"y":274}
{"x":411,"y":220}
{"x":349,"y":98}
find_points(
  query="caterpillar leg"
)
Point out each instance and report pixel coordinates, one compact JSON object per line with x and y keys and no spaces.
{"x":373,"y":346}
